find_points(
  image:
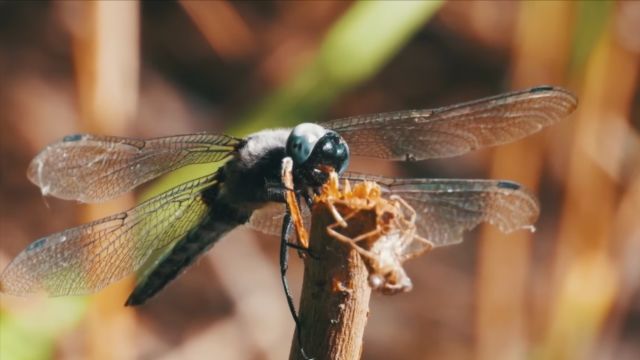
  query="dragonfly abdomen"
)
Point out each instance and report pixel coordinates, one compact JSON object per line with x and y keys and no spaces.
{"x":183,"y":254}
{"x":220,"y":219}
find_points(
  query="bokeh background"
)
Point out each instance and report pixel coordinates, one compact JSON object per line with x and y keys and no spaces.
{"x":571,"y":290}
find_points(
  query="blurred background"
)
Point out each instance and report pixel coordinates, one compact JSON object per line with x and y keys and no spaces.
{"x":571,"y":290}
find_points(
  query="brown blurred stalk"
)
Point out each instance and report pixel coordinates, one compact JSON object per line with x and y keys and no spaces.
{"x":222,"y":26}
{"x":540,"y":56}
{"x":586,"y":275}
{"x":335,"y":295}
{"x":105,"y":45}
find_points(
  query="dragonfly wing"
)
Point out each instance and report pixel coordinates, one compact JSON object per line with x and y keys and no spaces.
{"x":92,"y":168}
{"x":89,"y":257}
{"x":457,"y":129}
{"x":445,"y":208}
{"x":268,"y":219}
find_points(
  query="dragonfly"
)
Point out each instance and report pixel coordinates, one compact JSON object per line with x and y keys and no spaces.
{"x":160,"y":237}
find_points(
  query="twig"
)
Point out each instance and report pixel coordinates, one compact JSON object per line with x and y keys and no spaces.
{"x":335,"y":297}
{"x":359,"y":240}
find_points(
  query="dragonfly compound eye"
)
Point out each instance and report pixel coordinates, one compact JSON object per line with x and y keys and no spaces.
{"x":302,"y":140}
{"x":333,"y":151}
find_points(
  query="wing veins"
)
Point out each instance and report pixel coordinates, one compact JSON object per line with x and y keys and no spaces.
{"x":501,"y":119}
{"x":93,"y":168}
{"x":73,"y":261}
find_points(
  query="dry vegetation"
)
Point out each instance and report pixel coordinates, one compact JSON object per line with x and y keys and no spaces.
{"x":569,"y":291}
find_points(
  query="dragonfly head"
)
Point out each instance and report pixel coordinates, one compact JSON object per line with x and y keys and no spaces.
{"x":316,"y":151}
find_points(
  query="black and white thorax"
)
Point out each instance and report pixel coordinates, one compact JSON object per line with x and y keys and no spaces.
{"x":251,"y":178}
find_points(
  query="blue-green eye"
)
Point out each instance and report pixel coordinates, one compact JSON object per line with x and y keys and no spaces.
{"x":302,"y":140}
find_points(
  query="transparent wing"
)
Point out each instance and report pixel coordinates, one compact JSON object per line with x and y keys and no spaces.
{"x":447,"y":207}
{"x":93,"y":168}
{"x":268,"y":219}
{"x":457,"y":129}
{"x":91,"y":256}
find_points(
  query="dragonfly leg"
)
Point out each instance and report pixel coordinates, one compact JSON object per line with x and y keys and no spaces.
{"x":303,"y":251}
{"x":276,"y":193}
{"x":307,"y":198}
{"x":285,"y":193}
{"x":287,"y":226}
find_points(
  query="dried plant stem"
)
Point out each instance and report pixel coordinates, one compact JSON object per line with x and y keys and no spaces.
{"x":335,"y":297}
